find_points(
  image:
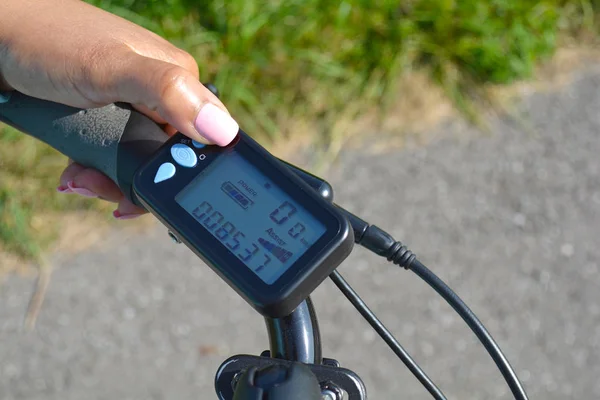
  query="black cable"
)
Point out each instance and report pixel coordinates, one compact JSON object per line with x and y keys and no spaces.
{"x":476,"y":326}
{"x":382,"y":243}
{"x":386,"y":335}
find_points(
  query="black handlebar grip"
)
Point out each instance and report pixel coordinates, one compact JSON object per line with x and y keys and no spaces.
{"x":114,"y":139}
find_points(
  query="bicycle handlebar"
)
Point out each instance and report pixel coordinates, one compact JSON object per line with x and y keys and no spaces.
{"x":114,"y":139}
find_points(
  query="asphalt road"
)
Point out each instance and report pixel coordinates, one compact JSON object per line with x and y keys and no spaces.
{"x":510,"y":219}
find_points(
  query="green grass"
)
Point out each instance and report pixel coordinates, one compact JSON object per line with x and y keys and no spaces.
{"x":278,"y":61}
{"x":29,"y":173}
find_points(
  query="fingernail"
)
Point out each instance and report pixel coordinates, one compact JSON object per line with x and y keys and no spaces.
{"x":63,"y":189}
{"x":216,"y":125}
{"x":120,"y":216}
{"x":81,"y":191}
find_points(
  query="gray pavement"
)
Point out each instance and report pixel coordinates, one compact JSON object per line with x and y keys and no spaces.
{"x":510,"y":219}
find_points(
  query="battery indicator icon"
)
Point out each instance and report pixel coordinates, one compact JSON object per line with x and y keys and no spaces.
{"x":236,"y":195}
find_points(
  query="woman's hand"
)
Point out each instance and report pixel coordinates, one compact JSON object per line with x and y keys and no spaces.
{"x":70,"y":52}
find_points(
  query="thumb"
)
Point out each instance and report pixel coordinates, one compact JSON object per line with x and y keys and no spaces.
{"x":178,"y":97}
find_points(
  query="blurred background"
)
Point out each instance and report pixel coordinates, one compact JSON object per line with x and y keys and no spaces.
{"x":474,"y":122}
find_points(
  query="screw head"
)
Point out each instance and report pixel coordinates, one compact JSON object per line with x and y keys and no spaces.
{"x":330,"y":391}
{"x":329,"y":395}
{"x":173,"y":237}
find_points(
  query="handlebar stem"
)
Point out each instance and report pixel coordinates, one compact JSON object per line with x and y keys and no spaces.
{"x":296,"y":337}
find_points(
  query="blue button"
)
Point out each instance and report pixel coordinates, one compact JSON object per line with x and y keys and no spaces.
{"x":4,"y":97}
{"x":184,"y":155}
{"x":198,"y":145}
{"x":165,"y":171}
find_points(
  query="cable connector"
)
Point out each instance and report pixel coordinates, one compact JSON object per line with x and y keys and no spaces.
{"x":379,"y":241}
{"x":382,"y":243}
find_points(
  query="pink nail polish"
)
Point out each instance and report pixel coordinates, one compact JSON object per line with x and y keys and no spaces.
{"x":81,"y":191}
{"x":216,"y":125}
{"x":63,"y":189}
{"x":120,"y":216}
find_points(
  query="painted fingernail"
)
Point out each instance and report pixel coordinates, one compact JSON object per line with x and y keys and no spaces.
{"x":216,"y":125}
{"x":81,"y":191}
{"x":63,"y":189}
{"x":120,"y":216}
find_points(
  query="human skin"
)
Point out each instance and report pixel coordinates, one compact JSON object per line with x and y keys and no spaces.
{"x":70,"y":52}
